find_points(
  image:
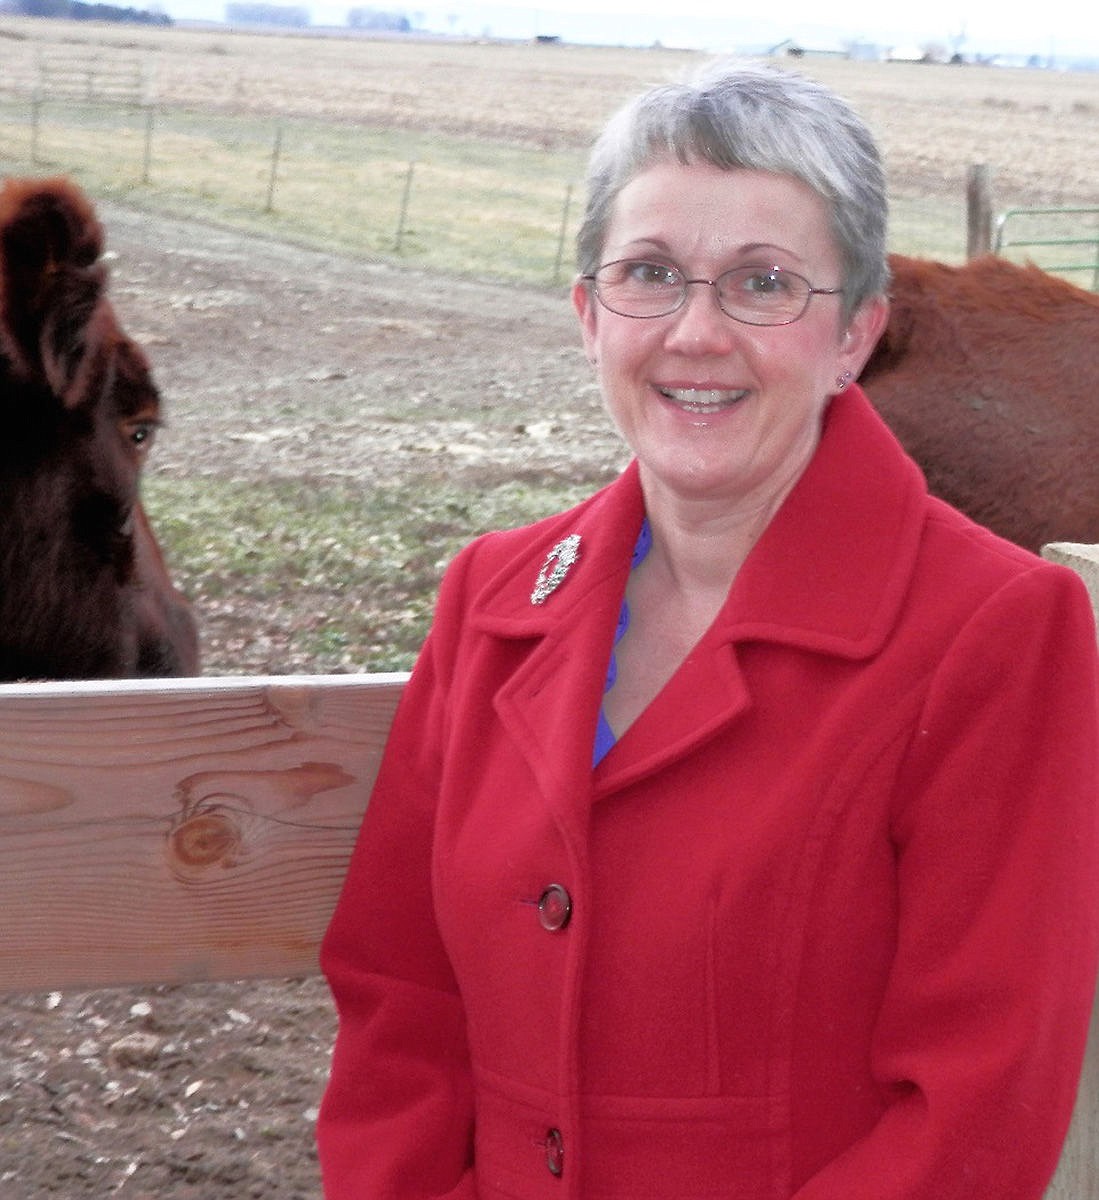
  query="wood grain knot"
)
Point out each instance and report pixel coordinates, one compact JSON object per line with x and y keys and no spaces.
{"x":206,"y":839}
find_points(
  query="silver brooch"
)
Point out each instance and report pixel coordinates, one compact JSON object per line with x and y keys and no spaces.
{"x":557,"y":565}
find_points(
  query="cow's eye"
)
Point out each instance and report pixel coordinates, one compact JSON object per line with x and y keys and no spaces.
{"x":141,"y":433}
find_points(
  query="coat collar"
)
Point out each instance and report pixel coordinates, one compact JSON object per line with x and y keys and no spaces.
{"x":829,"y":573}
{"x":831,"y":570}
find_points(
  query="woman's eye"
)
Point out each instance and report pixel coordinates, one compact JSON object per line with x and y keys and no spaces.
{"x":654,"y":275}
{"x":765,"y":283}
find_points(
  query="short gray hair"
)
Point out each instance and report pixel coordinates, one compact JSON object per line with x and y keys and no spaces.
{"x":743,"y":115}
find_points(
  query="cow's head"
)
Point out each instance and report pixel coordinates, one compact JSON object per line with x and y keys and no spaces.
{"x":78,"y":410}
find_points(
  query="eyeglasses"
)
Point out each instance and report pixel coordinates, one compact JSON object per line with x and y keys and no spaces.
{"x":752,"y":295}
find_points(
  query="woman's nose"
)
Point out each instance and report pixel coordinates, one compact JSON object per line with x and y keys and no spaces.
{"x":699,"y":326}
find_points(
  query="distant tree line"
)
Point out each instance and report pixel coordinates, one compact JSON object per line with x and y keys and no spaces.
{"x":76,"y":10}
{"x":374,"y":18}
{"x":286,"y":16}
{"x":289,"y":16}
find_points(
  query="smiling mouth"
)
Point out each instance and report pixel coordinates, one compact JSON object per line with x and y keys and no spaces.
{"x":702,"y":402}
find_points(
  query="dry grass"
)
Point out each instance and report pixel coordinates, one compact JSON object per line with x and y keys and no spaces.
{"x":495,"y":134}
{"x":1038,"y":129}
{"x":498,"y":132}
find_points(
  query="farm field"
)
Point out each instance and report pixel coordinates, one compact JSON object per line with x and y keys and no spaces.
{"x":483,"y":122}
{"x":1036,"y":126}
{"x":337,"y":426}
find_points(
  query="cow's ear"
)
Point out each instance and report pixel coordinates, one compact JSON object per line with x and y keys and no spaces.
{"x":50,"y":278}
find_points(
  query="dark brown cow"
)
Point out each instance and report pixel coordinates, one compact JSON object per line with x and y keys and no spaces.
{"x":84,"y":592}
{"x":989,"y":375}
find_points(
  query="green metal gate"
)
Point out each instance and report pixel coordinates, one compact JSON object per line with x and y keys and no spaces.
{"x":1038,"y":227}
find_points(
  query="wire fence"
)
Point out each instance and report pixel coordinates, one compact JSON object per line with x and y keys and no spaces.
{"x":70,"y":73}
{"x":450,"y":205}
{"x":508,"y":214}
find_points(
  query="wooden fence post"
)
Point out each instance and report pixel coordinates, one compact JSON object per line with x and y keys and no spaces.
{"x":270,"y":206}
{"x":561,"y":235}
{"x":405,"y":197}
{"x":177,"y":830}
{"x":978,"y":211}
{"x":1077,"y":1175}
{"x":147,"y":159}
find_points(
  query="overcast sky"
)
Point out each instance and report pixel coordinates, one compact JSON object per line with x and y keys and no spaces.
{"x":1063,"y":27}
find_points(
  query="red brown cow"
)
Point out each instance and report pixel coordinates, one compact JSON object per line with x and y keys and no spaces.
{"x":84,"y":592}
{"x":989,"y":375}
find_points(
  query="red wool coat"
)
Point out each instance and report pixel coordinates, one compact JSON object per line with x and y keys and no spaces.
{"x":821,"y":926}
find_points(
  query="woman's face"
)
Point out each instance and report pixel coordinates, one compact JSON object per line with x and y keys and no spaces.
{"x":714,"y":408}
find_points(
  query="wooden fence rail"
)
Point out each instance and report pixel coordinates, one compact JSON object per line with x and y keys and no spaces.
{"x":183,"y":830}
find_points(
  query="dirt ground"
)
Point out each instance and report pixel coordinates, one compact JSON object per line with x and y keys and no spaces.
{"x":273,"y":361}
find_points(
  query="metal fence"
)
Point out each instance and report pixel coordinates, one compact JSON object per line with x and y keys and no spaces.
{"x":383,"y":193}
{"x":1058,"y":236}
{"x":342,"y":186}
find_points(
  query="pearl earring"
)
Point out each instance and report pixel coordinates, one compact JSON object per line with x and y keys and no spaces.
{"x":842,"y":381}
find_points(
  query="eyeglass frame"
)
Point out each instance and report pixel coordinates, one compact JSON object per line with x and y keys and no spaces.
{"x":592,"y":278}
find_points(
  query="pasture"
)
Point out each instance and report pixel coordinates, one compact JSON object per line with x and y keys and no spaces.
{"x":313,"y":138}
{"x":339,"y":421}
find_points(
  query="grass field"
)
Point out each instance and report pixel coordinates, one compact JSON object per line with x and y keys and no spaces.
{"x":452,"y":153}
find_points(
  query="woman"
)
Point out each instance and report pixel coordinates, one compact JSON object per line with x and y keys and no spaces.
{"x":797,"y":898}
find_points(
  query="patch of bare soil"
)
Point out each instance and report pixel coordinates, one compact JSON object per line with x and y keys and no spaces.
{"x":274,"y":361}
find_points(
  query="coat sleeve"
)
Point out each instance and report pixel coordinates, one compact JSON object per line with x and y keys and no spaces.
{"x":396,"y":1120}
{"x":982,"y":1030}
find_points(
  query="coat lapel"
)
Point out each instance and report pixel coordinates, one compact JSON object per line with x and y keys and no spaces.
{"x":705,"y":695}
{"x":549,"y":703}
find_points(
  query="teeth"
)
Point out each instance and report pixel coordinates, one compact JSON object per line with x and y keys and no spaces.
{"x":697,"y":400}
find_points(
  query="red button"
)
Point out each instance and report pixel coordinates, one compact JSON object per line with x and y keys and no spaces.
{"x":554,"y":908}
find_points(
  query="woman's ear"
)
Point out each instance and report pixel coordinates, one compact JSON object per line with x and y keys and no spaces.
{"x":583,"y":300}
